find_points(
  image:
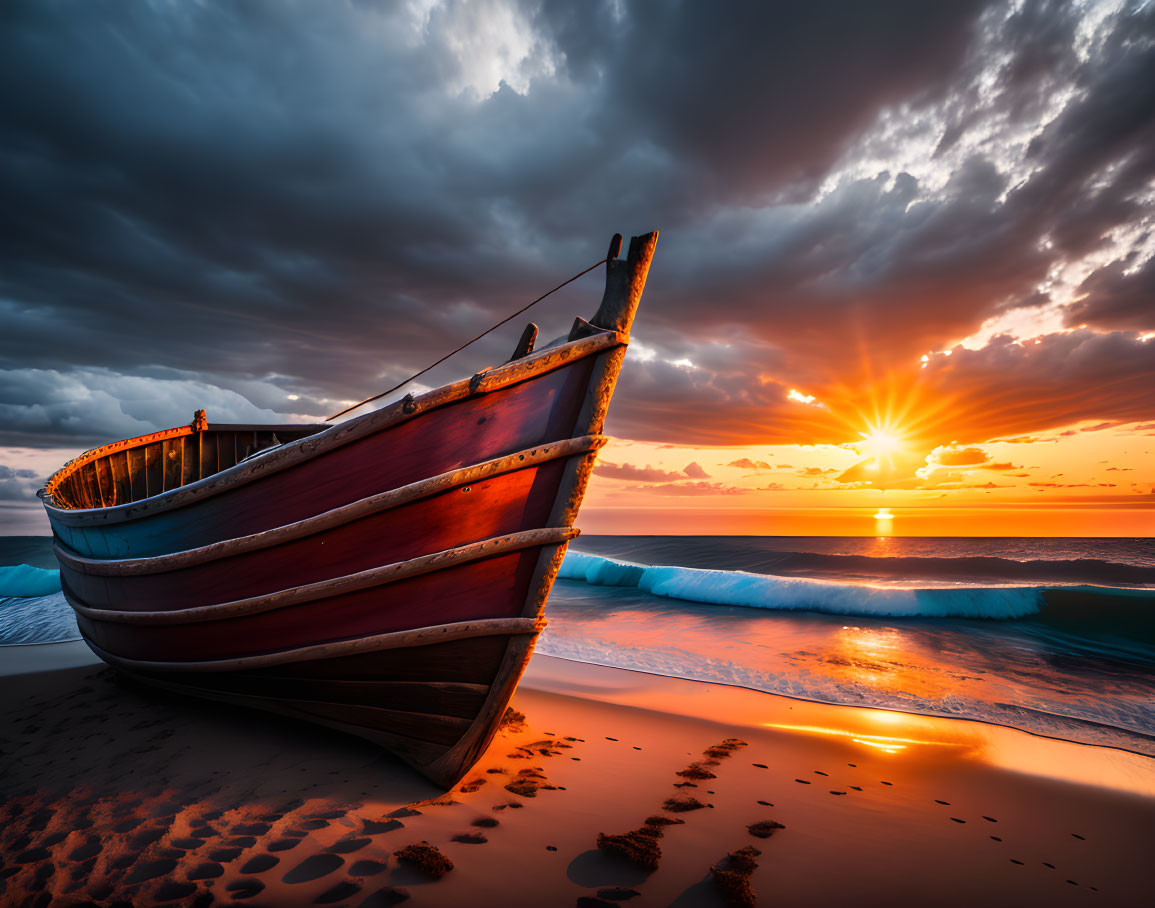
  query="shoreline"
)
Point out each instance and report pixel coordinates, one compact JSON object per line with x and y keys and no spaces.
{"x":881,"y":709}
{"x":75,"y":653}
{"x":909,"y":809}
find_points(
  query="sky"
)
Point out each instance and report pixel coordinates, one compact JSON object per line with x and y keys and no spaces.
{"x":905,"y":282}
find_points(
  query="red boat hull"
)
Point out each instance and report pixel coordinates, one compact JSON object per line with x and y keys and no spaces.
{"x":385,"y":576}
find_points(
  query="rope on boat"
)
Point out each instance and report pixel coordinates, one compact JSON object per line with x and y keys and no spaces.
{"x":615,"y":248}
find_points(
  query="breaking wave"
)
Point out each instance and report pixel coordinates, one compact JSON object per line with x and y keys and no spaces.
{"x":32,"y":607}
{"x":768,"y":591}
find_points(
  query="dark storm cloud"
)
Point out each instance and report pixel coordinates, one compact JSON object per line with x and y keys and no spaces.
{"x":18,"y":485}
{"x":273,"y":207}
{"x":1117,"y":297}
{"x":755,"y":98}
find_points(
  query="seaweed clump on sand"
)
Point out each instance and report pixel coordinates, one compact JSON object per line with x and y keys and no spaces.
{"x":512,"y":717}
{"x":682,"y":805}
{"x":732,"y":877}
{"x":725,"y":749}
{"x":697,"y":772}
{"x":764,"y":829}
{"x":663,"y":821}
{"x":527,"y":782}
{"x":638,"y":846}
{"x":426,"y":858}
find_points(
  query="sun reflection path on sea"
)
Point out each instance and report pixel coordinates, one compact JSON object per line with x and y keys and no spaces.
{"x":908,"y":725}
{"x":880,"y":658}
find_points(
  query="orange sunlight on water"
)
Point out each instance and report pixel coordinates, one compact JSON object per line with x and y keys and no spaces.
{"x":927,"y":521}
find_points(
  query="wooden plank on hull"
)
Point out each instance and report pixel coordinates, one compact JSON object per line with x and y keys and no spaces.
{"x":154,"y":468}
{"x":415,"y":752}
{"x":444,"y":698}
{"x":445,"y":730}
{"x":137,"y":473}
{"x":472,"y":660}
{"x":172,"y":450}
{"x":104,"y":482}
{"x":190,"y":466}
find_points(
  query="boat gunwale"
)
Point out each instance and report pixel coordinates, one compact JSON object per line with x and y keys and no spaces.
{"x":582,"y":446}
{"x":334,"y":586}
{"x":290,"y":454}
{"x":423,"y":636}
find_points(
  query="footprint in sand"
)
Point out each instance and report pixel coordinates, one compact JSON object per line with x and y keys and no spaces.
{"x":150,"y":871}
{"x":375,"y":827}
{"x":170,"y":890}
{"x":283,"y":844}
{"x":260,"y":863}
{"x":470,"y":838}
{"x":367,"y":868}
{"x":250,"y":829}
{"x":326,"y":815}
{"x":245,"y":889}
{"x":802,"y":781}
{"x":487,"y":822}
{"x":760,"y":765}
{"x":856,"y":788}
{"x":990,"y":819}
{"x":995,"y":838}
{"x":945,"y":803}
{"x":819,"y":772}
{"x":313,"y":868}
{"x":957,"y":820}
{"x":348,"y":845}
{"x":338,"y":893}
{"x":617,"y":893}
{"x":1077,"y":836}
{"x":207,"y":871}
{"x":93,"y":847}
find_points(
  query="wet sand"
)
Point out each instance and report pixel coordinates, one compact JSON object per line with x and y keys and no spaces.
{"x":703,"y":795}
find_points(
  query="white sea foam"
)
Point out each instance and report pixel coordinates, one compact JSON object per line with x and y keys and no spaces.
{"x":794,"y":594}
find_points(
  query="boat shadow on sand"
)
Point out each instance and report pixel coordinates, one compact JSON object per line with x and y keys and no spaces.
{"x":110,"y":789}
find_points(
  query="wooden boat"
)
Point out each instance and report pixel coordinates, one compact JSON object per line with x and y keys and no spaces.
{"x":384,"y":576}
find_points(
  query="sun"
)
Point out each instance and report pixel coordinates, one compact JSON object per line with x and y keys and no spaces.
{"x":880,"y":442}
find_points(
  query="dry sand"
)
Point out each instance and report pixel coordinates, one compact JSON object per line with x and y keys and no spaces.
{"x":114,"y":794}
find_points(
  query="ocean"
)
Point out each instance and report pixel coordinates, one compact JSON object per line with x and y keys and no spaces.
{"x":1052,"y":636}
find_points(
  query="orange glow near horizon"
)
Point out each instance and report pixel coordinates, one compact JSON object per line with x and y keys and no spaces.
{"x":938,"y":459}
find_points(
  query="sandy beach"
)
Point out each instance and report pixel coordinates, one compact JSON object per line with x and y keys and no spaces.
{"x":115,"y":794}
